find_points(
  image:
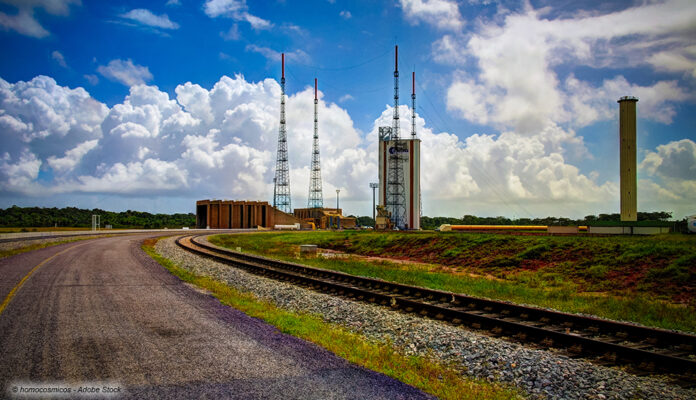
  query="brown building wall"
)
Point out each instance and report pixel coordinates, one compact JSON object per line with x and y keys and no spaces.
{"x":230,"y":214}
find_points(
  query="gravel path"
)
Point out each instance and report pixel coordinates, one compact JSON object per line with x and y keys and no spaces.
{"x":539,"y":373}
{"x":101,"y":312}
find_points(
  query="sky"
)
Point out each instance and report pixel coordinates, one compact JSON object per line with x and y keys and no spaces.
{"x":153,"y":105}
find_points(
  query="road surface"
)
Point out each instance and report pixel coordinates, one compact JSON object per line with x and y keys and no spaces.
{"x":100,"y":313}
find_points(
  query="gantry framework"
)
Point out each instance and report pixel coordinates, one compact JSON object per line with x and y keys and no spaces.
{"x":396,"y":193}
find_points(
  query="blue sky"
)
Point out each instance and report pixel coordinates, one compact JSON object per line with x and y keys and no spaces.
{"x":152,"y":105}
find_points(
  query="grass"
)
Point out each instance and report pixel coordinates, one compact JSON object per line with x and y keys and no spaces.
{"x":36,"y":246}
{"x":573,"y":274}
{"x":425,"y":374}
{"x":41,"y":229}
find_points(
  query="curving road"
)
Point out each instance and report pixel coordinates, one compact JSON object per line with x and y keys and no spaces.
{"x":102,"y":312}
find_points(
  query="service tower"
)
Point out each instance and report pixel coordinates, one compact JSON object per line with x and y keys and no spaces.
{"x":399,"y":166}
{"x":627,"y":155}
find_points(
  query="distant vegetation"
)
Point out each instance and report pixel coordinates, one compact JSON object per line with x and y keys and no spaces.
{"x":601,"y":219}
{"x":70,"y":217}
{"x":27,"y":217}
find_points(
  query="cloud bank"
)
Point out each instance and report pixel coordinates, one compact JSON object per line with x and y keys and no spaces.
{"x":221,"y":143}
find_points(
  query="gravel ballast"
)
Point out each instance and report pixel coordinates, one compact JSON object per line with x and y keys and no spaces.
{"x":540,"y":373}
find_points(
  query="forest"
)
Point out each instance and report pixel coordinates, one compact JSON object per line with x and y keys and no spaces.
{"x":35,"y":217}
{"x":24,"y":217}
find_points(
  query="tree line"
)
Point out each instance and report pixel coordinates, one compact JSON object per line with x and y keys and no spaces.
{"x":25,"y":217}
{"x":434,"y":222}
{"x":35,"y":217}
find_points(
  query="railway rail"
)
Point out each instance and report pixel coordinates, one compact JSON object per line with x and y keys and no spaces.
{"x":645,"y":350}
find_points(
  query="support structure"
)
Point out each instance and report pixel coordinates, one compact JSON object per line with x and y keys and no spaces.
{"x":396,"y":196}
{"x":628,"y":177}
{"x":281,"y":197}
{"x":316,"y":196}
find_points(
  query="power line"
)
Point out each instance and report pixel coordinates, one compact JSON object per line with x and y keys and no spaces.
{"x":316,"y":67}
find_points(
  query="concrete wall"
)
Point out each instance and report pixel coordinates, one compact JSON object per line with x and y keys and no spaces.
{"x":564,"y":230}
{"x":628,"y":230}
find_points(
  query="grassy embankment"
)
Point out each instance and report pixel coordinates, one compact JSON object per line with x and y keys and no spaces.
{"x":40,"y":229}
{"x":649,"y":280}
{"x":420,"y":372}
{"x":36,"y":246}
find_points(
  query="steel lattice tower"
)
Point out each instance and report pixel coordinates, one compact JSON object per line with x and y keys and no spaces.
{"x":316,"y":196}
{"x":281,"y":190}
{"x":396,"y":192}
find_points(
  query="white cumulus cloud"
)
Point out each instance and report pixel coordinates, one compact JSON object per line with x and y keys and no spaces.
{"x":236,"y":10}
{"x":442,"y":14}
{"x":146,"y":17}
{"x":24,"y":21}
{"x":125,"y":72}
{"x":516,"y":84}
{"x":58,"y":57}
{"x":220,"y":142}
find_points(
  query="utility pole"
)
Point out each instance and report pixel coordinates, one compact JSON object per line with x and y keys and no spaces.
{"x":337,"y":192}
{"x":374,"y":186}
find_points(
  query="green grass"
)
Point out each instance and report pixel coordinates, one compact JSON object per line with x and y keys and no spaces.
{"x":36,"y":246}
{"x":423,"y":373}
{"x":572,"y":284}
{"x":40,"y":229}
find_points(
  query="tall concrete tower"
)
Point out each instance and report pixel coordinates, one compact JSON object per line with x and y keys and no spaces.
{"x":627,"y":135}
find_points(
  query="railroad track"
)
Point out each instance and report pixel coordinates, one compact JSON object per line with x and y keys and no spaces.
{"x":644,"y":350}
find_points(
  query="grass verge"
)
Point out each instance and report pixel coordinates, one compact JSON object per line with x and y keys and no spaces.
{"x":36,"y":246}
{"x":425,"y":374}
{"x":549,"y":287}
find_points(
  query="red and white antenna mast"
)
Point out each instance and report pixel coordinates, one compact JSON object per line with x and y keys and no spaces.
{"x":413,"y":107}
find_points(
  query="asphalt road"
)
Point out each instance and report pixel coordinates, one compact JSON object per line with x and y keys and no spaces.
{"x":101,"y":312}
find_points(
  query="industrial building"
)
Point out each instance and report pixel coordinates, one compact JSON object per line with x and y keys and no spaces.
{"x":627,"y":155}
{"x":325,"y":218}
{"x":231,"y":214}
{"x":405,"y":152}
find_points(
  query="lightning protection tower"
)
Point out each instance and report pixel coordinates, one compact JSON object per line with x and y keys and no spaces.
{"x":413,"y":106}
{"x":281,"y":197}
{"x":316,"y":197}
{"x":396,"y":193}
{"x":413,"y":134}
